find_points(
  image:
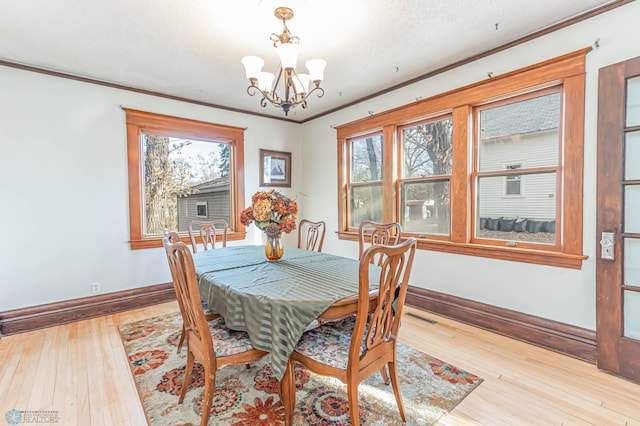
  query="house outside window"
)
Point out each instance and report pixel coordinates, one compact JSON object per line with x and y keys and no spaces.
{"x":455,"y":167}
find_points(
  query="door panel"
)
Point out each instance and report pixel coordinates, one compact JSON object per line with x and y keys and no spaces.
{"x":618,"y":213}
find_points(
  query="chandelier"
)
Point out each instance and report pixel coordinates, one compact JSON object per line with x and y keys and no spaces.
{"x":297,"y":87}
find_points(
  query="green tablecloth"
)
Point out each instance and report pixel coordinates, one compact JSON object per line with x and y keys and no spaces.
{"x":273,"y":302}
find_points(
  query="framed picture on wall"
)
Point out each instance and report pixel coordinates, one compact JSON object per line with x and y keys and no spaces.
{"x":275,"y":168}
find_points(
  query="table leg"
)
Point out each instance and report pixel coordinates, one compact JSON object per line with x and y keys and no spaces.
{"x":287,"y":391}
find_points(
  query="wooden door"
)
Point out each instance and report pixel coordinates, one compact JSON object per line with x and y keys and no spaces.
{"x":618,"y":220}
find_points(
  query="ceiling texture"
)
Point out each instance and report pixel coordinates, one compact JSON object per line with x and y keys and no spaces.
{"x":192,"y":49}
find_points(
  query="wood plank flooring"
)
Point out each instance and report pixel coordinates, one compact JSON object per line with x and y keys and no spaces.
{"x":79,"y":370}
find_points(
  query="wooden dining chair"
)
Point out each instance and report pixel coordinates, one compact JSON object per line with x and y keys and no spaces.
{"x":372,"y":233}
{"x":208,"y":232}
{"x":311,"y":235}
{"x":212,"y":343}
{"x":209,"y":314}
{"x":358,"y":346}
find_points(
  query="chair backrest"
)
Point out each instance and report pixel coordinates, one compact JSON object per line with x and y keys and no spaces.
{"x":207,"y":231}
{"x":311,"y":234}
{"x":171,"y":235}
{"x":377,"y":233}
{"x":381,"y":324}
{"x":185,"y":284}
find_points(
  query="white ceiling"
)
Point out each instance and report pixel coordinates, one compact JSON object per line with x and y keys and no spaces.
{"x":192,"y":49}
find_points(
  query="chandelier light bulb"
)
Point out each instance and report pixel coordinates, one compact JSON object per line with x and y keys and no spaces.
{"x":265,"y":81}
{"x":252,"y":66}
{"x":316,"y":69}
{"x":288,"y":53}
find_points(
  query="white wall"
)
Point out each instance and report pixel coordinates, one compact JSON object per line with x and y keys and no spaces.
{"x":64,"y":189}
{"x":564,"y":295}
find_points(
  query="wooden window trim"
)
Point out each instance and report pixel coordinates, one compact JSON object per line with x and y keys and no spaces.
{"x":569,"y":72}
{"x":141,"y":121}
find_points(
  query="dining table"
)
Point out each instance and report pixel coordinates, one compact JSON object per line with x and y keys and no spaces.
{"x":275,"y":302}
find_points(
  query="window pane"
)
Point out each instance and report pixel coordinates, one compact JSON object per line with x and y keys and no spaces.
{"x":633,"y":102}
{"x":525,"y":132}
{"x":631,"y":204}
{"x":365,"y":203}
{"x":530,"y":217}
{"x":632,"y":156}
{"x":366,"y":159}
{"x":513,"y":185}
{"x":427,"y":149}
{"x":632,"y":314}
{"x":426,"y":207}
{"x":184,"y":180}
{"x":632,"y":262}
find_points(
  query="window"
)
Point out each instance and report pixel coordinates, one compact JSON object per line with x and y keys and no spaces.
{"x":528,"y":128}
{"x":426,"y":174}
{"x":513,"y":183}
{"x":181,"y":170}
{"x":493,"y":169}
{"x":201,"y":209}
{"x":365,"y":179}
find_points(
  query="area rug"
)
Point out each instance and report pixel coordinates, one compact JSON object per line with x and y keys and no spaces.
{"x":430,"y":387}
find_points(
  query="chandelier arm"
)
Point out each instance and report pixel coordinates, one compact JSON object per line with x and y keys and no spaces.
{"x":319,"y":90}
{"x":268,"y":99}
{"x":288,"y":83}
{"x":296,"y":96}
{"x":274,"y":93}
{"x":252,"y":90}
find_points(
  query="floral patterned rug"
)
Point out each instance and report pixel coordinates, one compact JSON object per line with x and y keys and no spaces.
{"x":430,"y":387}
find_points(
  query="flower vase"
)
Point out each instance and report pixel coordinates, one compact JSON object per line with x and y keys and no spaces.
{"x":273,"y":248}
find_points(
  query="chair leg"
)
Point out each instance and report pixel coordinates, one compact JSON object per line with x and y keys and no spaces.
{"x":385,"y":376}
{"x":396,"y":389}
{"x":352,"y":397}
{"x":181,"y":342}
{"x":287,"y":393}
{"x":187,"y":376}
{"x":209,"y":388}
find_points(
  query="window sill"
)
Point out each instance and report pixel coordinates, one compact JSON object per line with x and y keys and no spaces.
{"x":156,"y":241}
{"x":515,"y":254}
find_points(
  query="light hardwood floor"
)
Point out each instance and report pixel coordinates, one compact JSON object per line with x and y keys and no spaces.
{"x":80,"y":371}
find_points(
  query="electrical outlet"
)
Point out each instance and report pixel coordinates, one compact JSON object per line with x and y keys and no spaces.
{"x":95,"y":288}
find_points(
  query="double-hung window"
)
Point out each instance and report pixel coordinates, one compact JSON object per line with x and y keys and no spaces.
{"x":493,"y":169}
{"x":518,"y":141}
{"x":365,"y":179}
{"x":425,"y":183}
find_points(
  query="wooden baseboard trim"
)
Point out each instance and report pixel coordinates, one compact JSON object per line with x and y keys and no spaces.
{"x":52,"y":314}
{"x":567,"y":339}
